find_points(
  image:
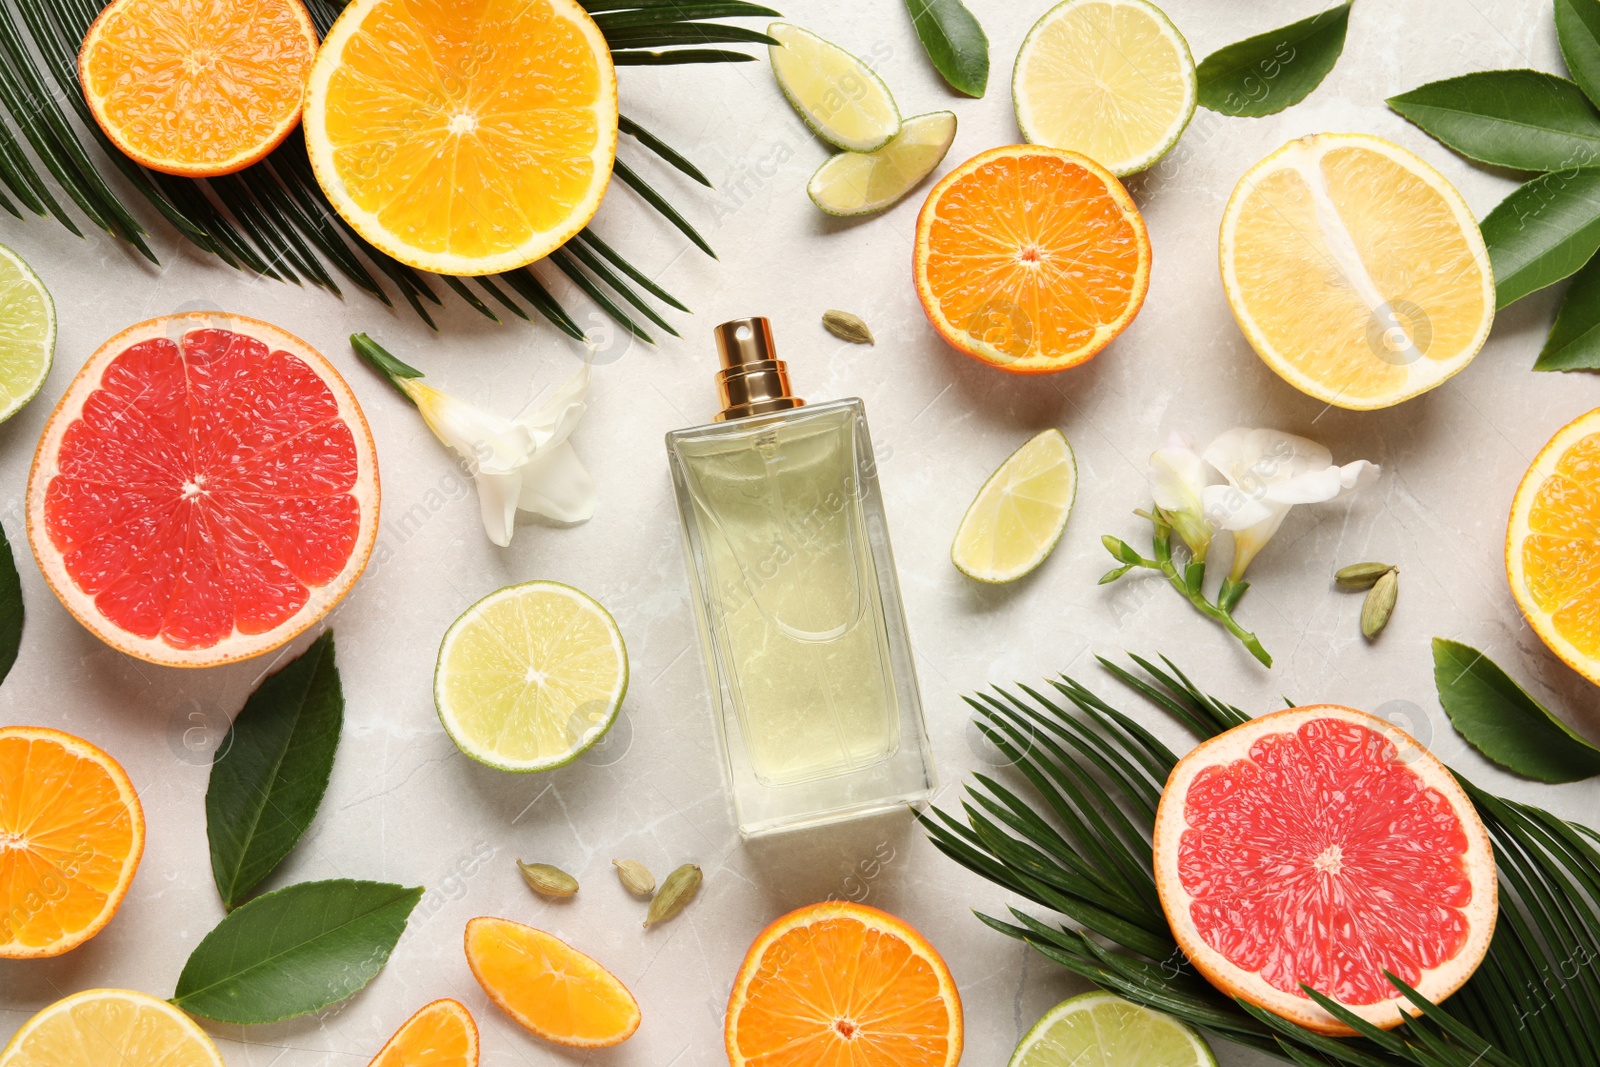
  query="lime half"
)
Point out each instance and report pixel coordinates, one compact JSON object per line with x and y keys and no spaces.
{"x":27,"y":333}
{"x":1020,"y":512}
{"x":838,"y":95}
{"x":859,"y":183}
{"x":1102,"y":1030}
{"x":530,"y":677}
{"x":1112,"y":79}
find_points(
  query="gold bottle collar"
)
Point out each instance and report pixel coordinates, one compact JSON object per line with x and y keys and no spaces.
{"x":753,"y":381}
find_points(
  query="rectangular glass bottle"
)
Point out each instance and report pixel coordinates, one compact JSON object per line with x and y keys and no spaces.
{"x":799,"y":608}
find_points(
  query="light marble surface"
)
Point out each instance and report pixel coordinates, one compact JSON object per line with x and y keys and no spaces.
{"x":405,"y":806}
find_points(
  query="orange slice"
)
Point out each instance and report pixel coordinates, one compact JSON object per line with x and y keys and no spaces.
{"x":197,"y":88}
{"x":552,"y":989}
{"x":842,"y":983}
{"x":71,"y":834}
{"x":1553,"y":545}
{"x":442,"y":1034}
{"x":110,"y":1028}
{"x":1031,"y":259}
{"x":469,"y":137}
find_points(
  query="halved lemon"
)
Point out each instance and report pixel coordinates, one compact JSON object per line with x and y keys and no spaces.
{"x":1019,"y":513}
{"x":1356,"y":270}
{"x":860,"y":183}
{"x":102,"y":1027}
{"x":463,"y":139}
{"x":839,"y":96}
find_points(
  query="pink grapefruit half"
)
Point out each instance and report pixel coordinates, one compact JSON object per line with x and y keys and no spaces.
{"x":205,"y":491}
{"x":1321,"y":847}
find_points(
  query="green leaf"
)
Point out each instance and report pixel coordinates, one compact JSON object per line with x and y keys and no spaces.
{"x":295,"y":951}
{"x":1544,"y":231}
{"x":11,"y":614}
{"x":1264,"y":74}
{"x":1522,"y":119}
{"x":1500,"y":719}
{"x":1578,"y":31}
{"x":272,"y":769}
{"x":1574,"y":341}
{"x":954,"y":41}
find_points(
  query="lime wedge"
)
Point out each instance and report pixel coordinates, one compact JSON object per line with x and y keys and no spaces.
{"x":1112,"y":79}
{"x":838,"y":95}
{"x":27,"y":333}
{"x":530,"y":677}
{"x":859,"y":183}
{"x":1020,"y":512}
{"x":1102,"y":1030}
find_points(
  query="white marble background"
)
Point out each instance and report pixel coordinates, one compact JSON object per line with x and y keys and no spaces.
{"x":405,"y":806}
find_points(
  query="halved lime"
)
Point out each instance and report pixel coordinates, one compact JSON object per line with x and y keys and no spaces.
{"x":27,"y":333}
{"x":1020,"y":512}
{"x":1112,"y":79}
{"x":859,"y":183}
{"x":837,"y":94}
{"x":530,"y":677}
{"x":1103,"y":1030}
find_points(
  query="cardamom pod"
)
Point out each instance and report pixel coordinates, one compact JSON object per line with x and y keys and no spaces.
{"x":635,"y":876}
{"x":676,"y":892}
{"x":1361,"y":575}
{"x":847,"y":327}
{"x":548,"y":881}
{"x":1379,"y":605}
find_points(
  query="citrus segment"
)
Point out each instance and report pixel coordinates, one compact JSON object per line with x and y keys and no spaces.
{"x":839,"y":97}
{"x":468,"y":137}
{"x":1112,"y":79}
{"x":1102,"y":1030}
{"x":442,"y":1034}
{"x":27,"y":333}
{"x":1031,"y":259}
{"x":842,"y":983}
{"x":1355,"y":270}
{"x":549,"y":987}
{"x":71,"y":836}
{"x":206,"y":490}
{"x":1323,"y":847}
{"x":860,"y":183}
{"x":197,"y":88}
{"x":1019,"y":513}
{"x":100,"y":1027}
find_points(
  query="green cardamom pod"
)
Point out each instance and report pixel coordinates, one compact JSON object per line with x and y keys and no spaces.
{"x":847,"y":327}
{"x":676,"y":892}
{"x":1379,"y":605}
{"x":548,"y":881}
{"x":1361,"y":575}
{"x":635,"y":876}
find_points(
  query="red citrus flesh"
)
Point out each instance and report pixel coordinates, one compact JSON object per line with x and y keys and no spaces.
{"x":206,"y":490}
{"x":1322,"y":847}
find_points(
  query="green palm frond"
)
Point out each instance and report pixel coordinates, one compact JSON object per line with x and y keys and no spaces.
{"x":1076,"y":841}
{"x":272,"y":219}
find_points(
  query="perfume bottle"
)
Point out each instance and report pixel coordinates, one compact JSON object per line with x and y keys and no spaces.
{"x":793,"y":580}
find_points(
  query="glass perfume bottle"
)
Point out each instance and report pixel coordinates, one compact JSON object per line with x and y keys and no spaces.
{"x":794,"y":587}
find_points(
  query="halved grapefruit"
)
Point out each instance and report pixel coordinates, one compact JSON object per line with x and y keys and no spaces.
{"x":205,"y":491}
{"x":1322,"y":847}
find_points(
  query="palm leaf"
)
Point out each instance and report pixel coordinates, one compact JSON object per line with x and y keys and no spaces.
{"x":1073,"y":836}
{"x":272,"y":219}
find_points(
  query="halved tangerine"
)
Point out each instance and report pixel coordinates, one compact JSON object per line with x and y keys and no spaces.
{"x":205,"y":491}
{"x":197,"y":88}
{"x":1323,"y":847}
{"x":441,"y":1034}
{"x":1031,"y":259}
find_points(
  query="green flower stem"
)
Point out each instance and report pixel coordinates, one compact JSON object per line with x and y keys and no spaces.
{"x":384,"y":362}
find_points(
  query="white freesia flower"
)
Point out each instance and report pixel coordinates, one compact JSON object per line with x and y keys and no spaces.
{"x":1269,"y":472}
{"x":1178,"y":481}
{"x":522,"y":462}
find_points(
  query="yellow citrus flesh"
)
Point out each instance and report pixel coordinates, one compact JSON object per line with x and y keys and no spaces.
{"x":105,"y":1027}
{"x":1019,"y":514}
{"x":1356,"y":270}
{"x":463,"y":136}
{"x":548,"y":986}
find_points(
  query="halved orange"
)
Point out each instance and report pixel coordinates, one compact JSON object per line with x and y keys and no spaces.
{"x":110,"y":1028}
{"x":840,"y":983}
{"x":550,"y":988}
{"x":71,"y":835}
{"x":197,"y":88}
{"x":1553,"y":545}
{"x":464,"y":137}
{"x":442,"y":1034}
{"x":1031,"y":259}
